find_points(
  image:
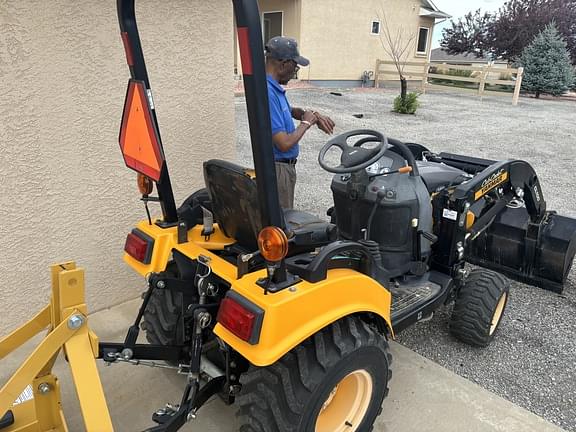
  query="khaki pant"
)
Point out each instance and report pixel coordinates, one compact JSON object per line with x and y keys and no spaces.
{"x":286,"y":177}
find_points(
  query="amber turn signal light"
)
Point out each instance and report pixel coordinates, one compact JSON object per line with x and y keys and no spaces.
{"x":273,"y":244}
{"x":470,"y":219}
{"x":145,"y":184}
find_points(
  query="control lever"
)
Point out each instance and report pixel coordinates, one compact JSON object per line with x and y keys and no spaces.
{"x":429,"y":236}
{"x":402,"y":170}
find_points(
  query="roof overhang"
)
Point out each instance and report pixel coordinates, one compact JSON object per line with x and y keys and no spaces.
{"x":428,"y":9}
{"x":436,"y":14}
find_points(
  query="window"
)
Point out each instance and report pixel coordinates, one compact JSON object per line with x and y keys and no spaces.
{"x":423,"y":40}
{"x":375,"y":27}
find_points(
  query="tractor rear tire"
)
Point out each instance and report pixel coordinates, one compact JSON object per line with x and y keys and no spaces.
{"x":333,"y":382}
{"x":162,"y":319}
{"x":479,"y":307}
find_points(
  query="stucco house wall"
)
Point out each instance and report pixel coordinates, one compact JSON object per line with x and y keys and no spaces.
{"x":291,"y":20}
{"x":291,"y":12}
{"x":66,"y":194}
{"x":339,"y":42}
{"x":336,"y":35}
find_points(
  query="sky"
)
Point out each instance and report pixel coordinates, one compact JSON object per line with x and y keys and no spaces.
{"x":459,"y":8}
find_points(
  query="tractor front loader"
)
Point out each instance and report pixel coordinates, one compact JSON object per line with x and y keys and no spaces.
{"x":275,"y":310}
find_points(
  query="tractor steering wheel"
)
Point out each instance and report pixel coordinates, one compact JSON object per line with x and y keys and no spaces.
{"x":354,"y":157}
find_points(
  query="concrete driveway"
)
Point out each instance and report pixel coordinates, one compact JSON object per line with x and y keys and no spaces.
{"x":423,"y":396}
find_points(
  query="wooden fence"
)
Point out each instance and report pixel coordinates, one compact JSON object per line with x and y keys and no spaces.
{"x":481,"y":75}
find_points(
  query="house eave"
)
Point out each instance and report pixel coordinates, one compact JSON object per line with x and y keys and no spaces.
{"x":436,"y":14}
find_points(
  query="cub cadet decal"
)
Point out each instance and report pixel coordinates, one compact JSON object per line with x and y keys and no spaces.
{"x":491,"y":182}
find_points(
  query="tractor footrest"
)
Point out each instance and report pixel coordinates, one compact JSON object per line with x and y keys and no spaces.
{"x":7,"y":420}
{"x":415,"y":299}
{"x":410,"y":297}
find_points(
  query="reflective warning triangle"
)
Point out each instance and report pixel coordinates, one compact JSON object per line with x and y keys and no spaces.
{"x":139,"y":140}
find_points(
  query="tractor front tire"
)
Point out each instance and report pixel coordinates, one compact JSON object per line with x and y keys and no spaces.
{"x":333,"y":382}
{"x":479,"y":307}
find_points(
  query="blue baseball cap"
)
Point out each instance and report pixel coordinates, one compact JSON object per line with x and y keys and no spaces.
{"x":285,"y":48}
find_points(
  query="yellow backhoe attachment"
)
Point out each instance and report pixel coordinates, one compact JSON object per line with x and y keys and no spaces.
{"x":67,"y":323}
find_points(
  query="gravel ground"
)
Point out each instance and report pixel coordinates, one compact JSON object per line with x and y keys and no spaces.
{"x":531,"y":360}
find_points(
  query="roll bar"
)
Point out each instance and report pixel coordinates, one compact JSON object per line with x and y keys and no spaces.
{"x":252,"y":56}
{"x":137,"y":65}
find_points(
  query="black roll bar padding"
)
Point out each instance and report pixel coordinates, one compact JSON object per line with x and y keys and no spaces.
{"x":127,"y":21}
{"x":256,"y":90}
{"x":408,"y":155}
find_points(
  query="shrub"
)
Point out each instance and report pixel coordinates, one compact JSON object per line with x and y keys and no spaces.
{"x":459,"y":73}
{"x":449,"y":72}
{"x":505,"y":76}
{"x":409,"y":105}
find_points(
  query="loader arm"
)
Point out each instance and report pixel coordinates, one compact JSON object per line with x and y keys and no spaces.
{"x":515,"y":236}
{"x":516,"y":173}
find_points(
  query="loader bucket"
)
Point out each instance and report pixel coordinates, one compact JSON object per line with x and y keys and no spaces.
{"x":539,"y":254}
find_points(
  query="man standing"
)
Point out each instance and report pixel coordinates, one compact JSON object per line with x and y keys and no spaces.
{"x":282,"y":63}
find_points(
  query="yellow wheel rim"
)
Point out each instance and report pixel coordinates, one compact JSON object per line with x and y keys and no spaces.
{"x":347,"y":404}
{"x":498,"y":313}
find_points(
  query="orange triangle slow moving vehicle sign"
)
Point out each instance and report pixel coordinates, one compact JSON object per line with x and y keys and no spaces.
{"x":139,"y":139}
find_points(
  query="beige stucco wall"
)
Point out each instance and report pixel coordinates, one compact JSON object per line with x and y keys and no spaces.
{"x":291,"y":14}
{"x":338,"y":40}
{"x":290,"y":25}
{"x":66,"y":193}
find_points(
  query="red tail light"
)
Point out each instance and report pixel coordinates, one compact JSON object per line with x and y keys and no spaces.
{"x":139,"y":246}
{"x":241,"y":317}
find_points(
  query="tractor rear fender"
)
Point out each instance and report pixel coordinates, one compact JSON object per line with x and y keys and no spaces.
{"x":163,"y":240}
{"x":290,"y":316}
{"x":287,"y":317}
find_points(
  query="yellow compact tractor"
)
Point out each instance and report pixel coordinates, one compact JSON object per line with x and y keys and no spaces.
{"x":284,"y":314}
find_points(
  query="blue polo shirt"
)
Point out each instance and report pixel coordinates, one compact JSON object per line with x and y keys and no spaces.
{"x":281,"y":117}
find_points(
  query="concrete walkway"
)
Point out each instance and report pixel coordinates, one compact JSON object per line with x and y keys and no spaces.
{"x":423,"y":397}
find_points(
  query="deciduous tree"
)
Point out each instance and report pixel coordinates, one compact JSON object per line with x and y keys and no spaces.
{"x":506,"y":33}
{"x":398,"y":45}
{"x":471,"y":34}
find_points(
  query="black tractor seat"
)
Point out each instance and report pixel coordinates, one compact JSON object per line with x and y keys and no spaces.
{"x":235,"y":205}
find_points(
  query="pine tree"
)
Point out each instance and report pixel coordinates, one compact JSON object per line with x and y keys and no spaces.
{"x":547,"y":66}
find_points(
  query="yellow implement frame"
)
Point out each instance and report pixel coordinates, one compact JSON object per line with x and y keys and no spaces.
{"x":67,"y":323}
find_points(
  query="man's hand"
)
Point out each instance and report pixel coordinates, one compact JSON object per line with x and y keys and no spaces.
{"x":285,"y":141}
{"x":310,"y":117}
{"x":325,"y":123}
